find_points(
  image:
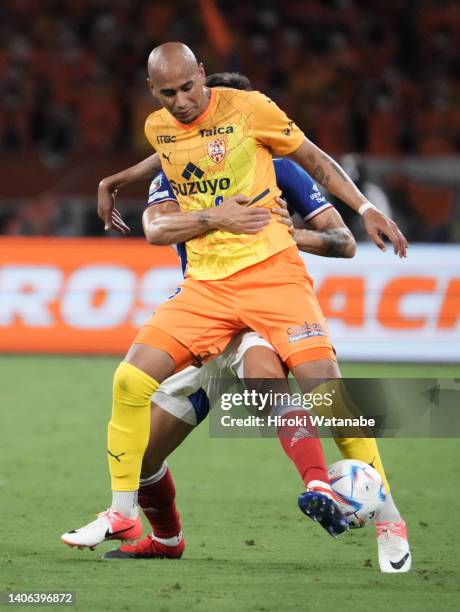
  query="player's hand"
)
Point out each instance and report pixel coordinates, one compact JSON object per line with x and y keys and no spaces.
{"x":118,"y":224}
{"x":378,"y":225}
{"x":107,"y":212}
{"x":234,"y":215}
{"x":283,"y":213}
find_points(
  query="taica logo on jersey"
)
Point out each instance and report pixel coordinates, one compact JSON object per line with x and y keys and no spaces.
{"x":227,"y":129}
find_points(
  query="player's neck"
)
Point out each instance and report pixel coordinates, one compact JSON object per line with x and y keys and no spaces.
{"x":207,"y":96}
{"x":206,"y":101}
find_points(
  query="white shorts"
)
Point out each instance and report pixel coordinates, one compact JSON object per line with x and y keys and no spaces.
{"x":189,"y":394}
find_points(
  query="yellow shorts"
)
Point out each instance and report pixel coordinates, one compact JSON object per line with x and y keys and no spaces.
{"x":274,"y":298}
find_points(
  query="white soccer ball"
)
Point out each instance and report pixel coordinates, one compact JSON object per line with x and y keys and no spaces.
{"x":360,"y":491}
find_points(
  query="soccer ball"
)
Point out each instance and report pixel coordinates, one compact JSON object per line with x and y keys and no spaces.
{"x":359,"y":489}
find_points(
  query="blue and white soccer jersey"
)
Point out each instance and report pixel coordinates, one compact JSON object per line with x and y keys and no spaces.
{"x":160,"y":190}
{"x":302,"y":194}
{"x":189,"y":394}
{"x":192,"y":392}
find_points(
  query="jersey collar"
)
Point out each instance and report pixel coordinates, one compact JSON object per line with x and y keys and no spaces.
{"x":204,"y":114}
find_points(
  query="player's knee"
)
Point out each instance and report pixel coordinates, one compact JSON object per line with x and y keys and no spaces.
{"x":130,"y":383}
{"x":121,"y":380}
{"x":316,"y":369}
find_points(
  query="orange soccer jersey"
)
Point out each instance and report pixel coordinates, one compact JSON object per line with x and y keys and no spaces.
{"x":226,"y":151}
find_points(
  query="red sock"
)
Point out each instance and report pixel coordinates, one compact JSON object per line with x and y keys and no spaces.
{"x":157,"y":500}
{"x":303,"y":448}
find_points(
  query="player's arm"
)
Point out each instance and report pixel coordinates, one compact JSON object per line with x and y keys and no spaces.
{"x":164,"y":223}
{"x":322,"y":230}
{"x":109,"y":186}
{"x":325,"y":234}
{"x":273,"y":128}
{"x":328,"y":236}
{"x":329,"y":174}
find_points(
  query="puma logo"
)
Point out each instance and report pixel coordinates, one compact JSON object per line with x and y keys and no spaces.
{"x":116,"y":456}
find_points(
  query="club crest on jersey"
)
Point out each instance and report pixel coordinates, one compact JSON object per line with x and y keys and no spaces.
{"x":217,"y":149}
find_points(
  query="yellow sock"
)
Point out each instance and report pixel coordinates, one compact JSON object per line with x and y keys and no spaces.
{"x":364,"y":449}
{"x":129,"y":428}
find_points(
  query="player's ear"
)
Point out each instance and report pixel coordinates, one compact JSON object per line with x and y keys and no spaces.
{"x":201,"y":73}
{"x":151,"y":87}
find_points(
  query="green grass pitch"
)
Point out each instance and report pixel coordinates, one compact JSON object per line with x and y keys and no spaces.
{"x":248,"y":546}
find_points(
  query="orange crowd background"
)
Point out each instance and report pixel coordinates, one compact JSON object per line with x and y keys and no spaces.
{"x":378,"y":78}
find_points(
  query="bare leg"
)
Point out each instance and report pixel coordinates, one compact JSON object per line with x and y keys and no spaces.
{"x":167,"y":432}
{"x":317,"y":371}
{"x":154,"y":362}
{"x":262,"y":362}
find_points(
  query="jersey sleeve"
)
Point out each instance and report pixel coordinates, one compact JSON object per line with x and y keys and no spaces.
{"x":299,"y":189}
{"x":273,"y":128}
{"x":149,"y":129}
{"x":160,"y":190}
